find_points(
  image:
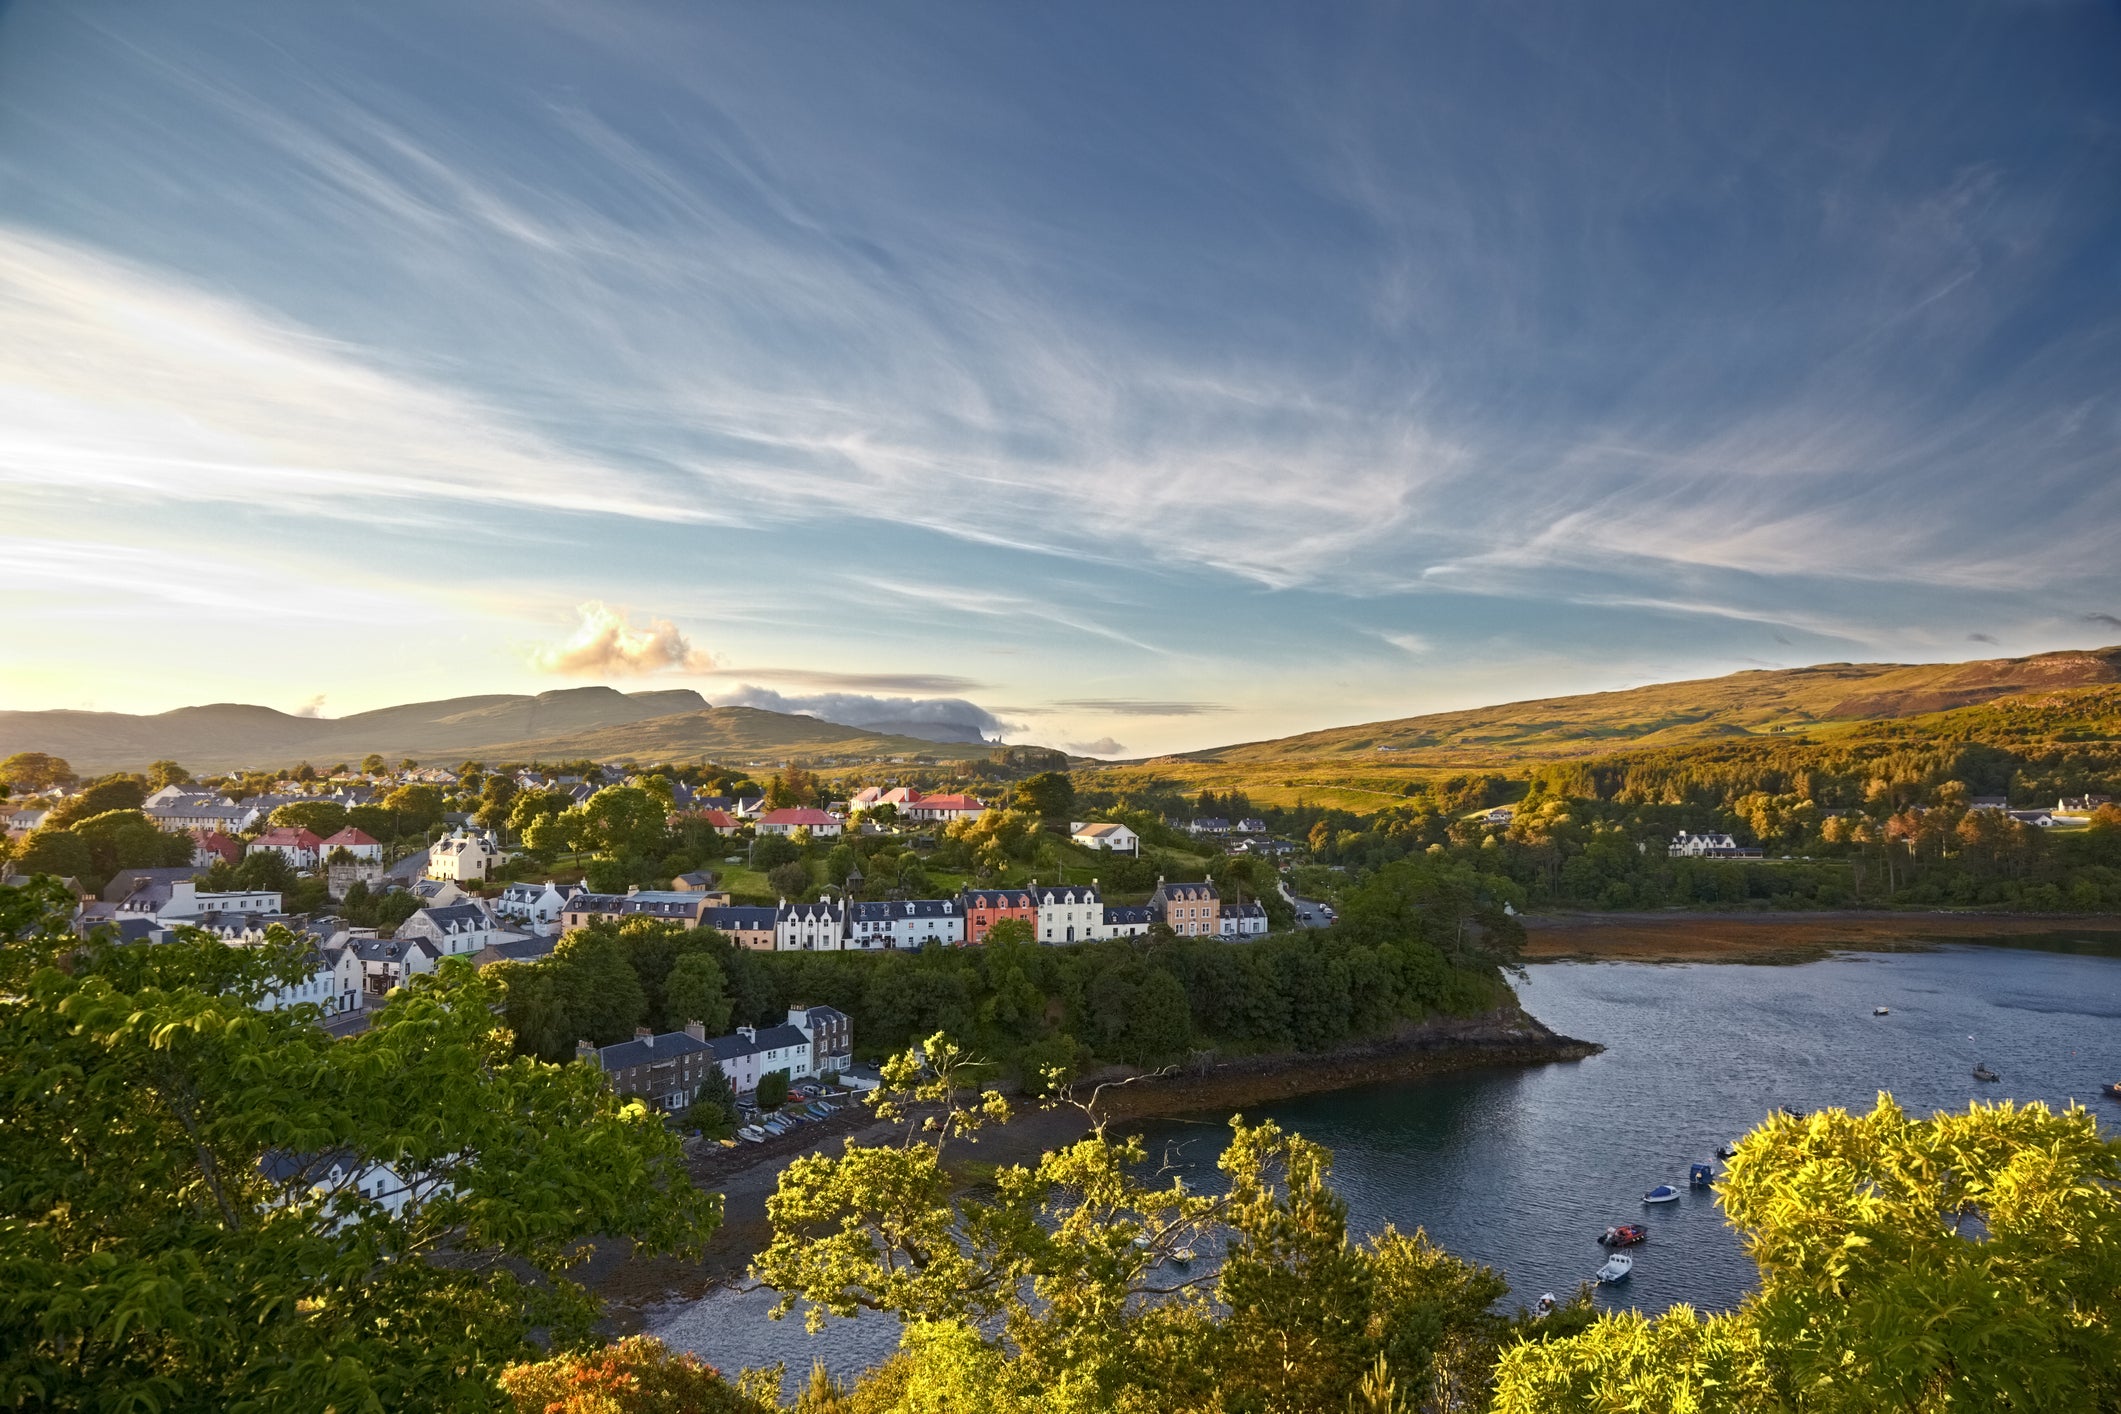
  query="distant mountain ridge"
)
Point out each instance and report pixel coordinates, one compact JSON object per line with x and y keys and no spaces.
{"x":598,"y":722}
{"x":1753,"y":703}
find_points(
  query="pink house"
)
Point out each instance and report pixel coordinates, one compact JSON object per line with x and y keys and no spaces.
{"x":294,"y":844}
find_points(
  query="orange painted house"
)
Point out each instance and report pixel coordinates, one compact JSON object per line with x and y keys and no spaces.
{"x":983,"y":908}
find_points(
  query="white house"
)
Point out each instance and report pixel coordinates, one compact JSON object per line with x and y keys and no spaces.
{"x":324,"y":1178}
{"x":452,"y":930}
{"x":1068,"y":913}
{"x":802,"y":817}
{"x":667,"y":1070}
{"x":180,"y":900}
{"x":464,"y":857}
{"x":1710,"y":846}
{"x":537,"y":904}
{"x":1244,"y":920}
{"x":299,"y":847}
{"x":388,"y":963}
{"x":333,"y":983}
{"x":906,"y":923}
{"x":1105,"y":835}
{"x":358,"y":843}
{"x":1125,"y":920}
{"x":810,"y":927}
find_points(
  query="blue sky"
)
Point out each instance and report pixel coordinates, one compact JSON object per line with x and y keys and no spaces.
{"x":1149,"y":376}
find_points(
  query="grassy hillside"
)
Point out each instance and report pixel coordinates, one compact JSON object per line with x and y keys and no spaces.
{"x":2051,"y":696}
{"x":597,"y":722}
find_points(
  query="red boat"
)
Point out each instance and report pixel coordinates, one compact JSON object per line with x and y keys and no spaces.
{"x":1625,"y":1235}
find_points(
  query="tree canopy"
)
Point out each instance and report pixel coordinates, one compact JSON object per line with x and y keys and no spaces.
{"x":164,"y":1239}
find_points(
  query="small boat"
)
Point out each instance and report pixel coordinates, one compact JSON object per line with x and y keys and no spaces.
{"x":1726,"y":1152}
{"x":1982,"y":1072}
{"x":1700,"y":1175}
{"x":1662,"y":1193}
{"x":1547,"y":1303}
{"x":2114,"y":1090}
{"x":1881,"y":1011}
{"x":1617,"y":1267}
{"x":1624,"y":1235}
{"x":1183,"y":1257}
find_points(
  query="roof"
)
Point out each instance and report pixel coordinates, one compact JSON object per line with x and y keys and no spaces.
{"x":741,"y":918}
{"x":905,"y":908}
{"x":1076,"y":893}
{"x":798,"y":815}
{"x":627,"y":1054}
{"x":1185,"y":892}
{"x":455,"y":915}
{"x":1101,"y":827}
{"x":285,"y":836}
{"x":996,"y":898}
{"x":830,"y":909}
{"x":125,"y":881}
{"x":350,"y":838}
{"x":950,"y":802}
{"x":516,"y":950}
{"x":768,"y":1038}
{"x":1129,"y":913}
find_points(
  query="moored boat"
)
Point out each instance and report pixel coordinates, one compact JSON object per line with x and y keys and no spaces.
{"x":1881,"y":1011}
{"x":2114,"y":1090}
{"x":1662,"y":1193}
{"x":1983,"y":1073}
{"x":1624,"y":1235}
{"x":1700,"y":1175}
{"x":1618,"y":1267}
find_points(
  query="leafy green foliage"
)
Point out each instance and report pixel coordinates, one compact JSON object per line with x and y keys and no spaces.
{"x":1966,"y":1261}
{"x":149,"y":1261}
{"x":773,"y":1090}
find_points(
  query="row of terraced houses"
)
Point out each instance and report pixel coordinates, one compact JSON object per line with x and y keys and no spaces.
{"x":1056,"y":913}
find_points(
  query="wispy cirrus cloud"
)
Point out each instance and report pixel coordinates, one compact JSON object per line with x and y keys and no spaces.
{"x":1142,"y":707}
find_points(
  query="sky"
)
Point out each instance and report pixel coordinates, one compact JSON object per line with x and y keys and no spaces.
{"x":1122,"y":378}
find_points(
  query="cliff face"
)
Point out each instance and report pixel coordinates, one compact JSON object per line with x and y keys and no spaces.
{"x":1507,"y":1036}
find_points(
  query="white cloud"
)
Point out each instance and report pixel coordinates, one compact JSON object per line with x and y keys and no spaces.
{"x":605,"y":644}
{"x":854,"y":709}
{"x":1103,"y":746}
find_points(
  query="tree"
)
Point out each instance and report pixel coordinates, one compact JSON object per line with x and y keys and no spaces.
{"x":767,"y":851}
{"x":697,"y":990}
{"x":126,"y":839}
{"x":637,"y":1375}
{"x":167,"y":773}
{"x":60,"y":853}
{"x":773,"y":1090}
{"x":1969,"y":1261}
{"x":713,"y":1110}
{"x":620,"y":821}
{"x":112,"y":793}
{"x":323,"y":818}
{"x":418,"y":808}
{"x":27,"y":772}
{"x":1050,"y":795}
{"x":790,"y":880}
{"x":167,"y":1241}
{"x":373,"y":764}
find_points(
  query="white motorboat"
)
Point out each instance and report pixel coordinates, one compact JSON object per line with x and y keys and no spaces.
{"x":1662,"y":1193}
{"x":1881,"y":1011}
{"x":1618,"y":1267}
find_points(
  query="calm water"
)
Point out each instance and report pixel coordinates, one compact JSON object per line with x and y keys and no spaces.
{"x":1521,"y":1168}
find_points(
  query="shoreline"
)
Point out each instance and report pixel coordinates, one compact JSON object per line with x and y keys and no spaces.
{"x":1783,"y":938}
{"x":632,"y":1287}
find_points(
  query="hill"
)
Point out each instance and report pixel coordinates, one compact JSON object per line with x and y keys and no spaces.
{"x":597,"y":722}
{"x":1367,"y":765}
{"x":1758,"y":702}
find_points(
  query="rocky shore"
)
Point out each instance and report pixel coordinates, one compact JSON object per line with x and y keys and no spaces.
{"x":1220,"y":1086}
{"x":1792,"y":937}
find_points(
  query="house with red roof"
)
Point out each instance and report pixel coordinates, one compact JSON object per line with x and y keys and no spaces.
{"x":358,"y":843}
{"x":299,"y":847}
{"x":209,"y":847}
{"x":800,"y":817}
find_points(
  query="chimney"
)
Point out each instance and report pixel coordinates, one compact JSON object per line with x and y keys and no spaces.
{"x":697,"y":1030}
{"x":632,"y":889}
{"x":644,"y":1035}
{"x":585,"y":1051}
{"x":748,"y":1033}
